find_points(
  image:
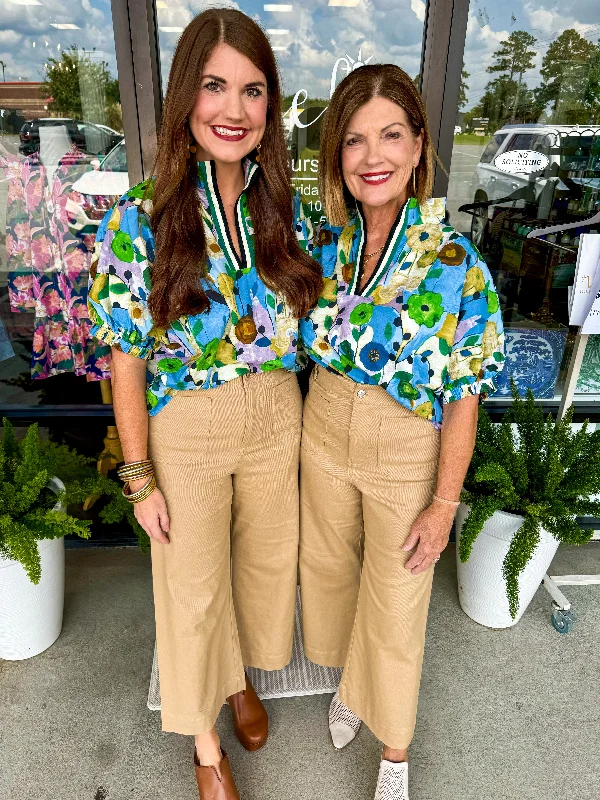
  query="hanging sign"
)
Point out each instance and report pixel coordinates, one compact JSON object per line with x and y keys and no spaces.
{"x":524,"y":161}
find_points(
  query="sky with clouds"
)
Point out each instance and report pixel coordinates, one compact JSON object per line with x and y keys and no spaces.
{"x":309,"y":38}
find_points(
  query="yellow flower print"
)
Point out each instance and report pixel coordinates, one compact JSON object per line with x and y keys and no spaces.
{"x":225,"y":284}
{"x":99,"y":283}
{"x":475,"y":365}
{"x":474,"y":282}
{"x":425,"y":410}
{"x":424,"y":237}
{"x":114,"y":222}
{"x":384,"y":294}
{"x":427,"y":259}
{"x":329,"y":292}
{"x":448,"y":329}
{"x":321,"y":347}
{"x":491,"y":340}
{"x":214,"y":247}
{"x":226,"y":353}
{"x":345,"y":240}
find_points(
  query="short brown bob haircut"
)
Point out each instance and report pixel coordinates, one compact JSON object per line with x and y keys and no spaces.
{"x":362,"y":85}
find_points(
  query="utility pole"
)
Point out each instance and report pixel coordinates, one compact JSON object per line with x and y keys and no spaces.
{"x":3,"y":65}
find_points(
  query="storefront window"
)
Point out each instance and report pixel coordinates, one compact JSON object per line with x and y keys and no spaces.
{"x":526,"y":157}
{"x":62,"y":165}
{"x":316,"y":47}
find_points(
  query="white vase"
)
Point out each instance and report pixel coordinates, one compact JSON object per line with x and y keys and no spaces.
{"x":481,"y":585}
{"x":31,"y":616}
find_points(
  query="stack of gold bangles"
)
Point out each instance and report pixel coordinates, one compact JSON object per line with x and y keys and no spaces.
{"x":135,"y":472}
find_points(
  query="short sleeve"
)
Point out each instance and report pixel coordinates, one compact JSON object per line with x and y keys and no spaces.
{"x":477,"y":355}
{"x":303,"y":225}
{"x":120,"y":280}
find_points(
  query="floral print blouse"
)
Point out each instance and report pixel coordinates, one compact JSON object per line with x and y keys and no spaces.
{"x":427,"y":326}
{"x":48,"y":267}
{"x":248,"y":328}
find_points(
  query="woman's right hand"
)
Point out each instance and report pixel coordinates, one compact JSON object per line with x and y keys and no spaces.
{"x":151,"y":513}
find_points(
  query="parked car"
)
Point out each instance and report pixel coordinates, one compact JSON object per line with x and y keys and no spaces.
{"x":457,"y":129}
{"x":99,"y":139}
{"x":29,"y":135}
{"x":90,"y":138}
{"x":97,"y":190}
{"x":572,"y":156}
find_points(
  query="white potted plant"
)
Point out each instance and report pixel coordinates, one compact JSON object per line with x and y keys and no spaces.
{"x":37,"y":481}
{"x":530,"y":478}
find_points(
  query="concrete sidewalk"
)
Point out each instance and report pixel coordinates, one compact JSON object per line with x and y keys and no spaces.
{"x":505,"y":715}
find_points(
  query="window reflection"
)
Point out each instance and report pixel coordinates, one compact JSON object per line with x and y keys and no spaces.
{"x":526,"y":157}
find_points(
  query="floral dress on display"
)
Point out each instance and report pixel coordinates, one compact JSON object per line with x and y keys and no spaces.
{"x":48,"y":268}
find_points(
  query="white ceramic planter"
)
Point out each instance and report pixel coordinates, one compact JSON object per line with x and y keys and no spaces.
{"x":481,"y":585}
{"x":30,"y":615}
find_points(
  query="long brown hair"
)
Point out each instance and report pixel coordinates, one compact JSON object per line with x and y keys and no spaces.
{"x":176,"y":218}
{"x":362,"y":85}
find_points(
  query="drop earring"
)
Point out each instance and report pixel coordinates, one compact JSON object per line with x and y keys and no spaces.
{"x":258,"y":147}
{"x":192,"y":149}
{"x":414,"y":184}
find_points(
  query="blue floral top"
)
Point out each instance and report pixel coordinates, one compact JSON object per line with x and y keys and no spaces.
{"x":248,"y":328}
{"x":427,"y":326}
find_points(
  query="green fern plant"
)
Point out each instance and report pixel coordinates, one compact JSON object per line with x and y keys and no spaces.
{"x":27,"y":505}
{"x":534,"y":467}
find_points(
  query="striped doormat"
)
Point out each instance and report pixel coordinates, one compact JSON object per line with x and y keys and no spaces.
{"x":300,"y":677}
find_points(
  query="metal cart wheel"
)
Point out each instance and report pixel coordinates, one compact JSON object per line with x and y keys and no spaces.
{"x":562,"y":621}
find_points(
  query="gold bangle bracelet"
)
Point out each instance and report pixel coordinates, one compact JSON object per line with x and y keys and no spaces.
{"x":127,"y":469}
{"x":136,"y":476}
{"x":454,"y":503}
{"x":142,"y":493}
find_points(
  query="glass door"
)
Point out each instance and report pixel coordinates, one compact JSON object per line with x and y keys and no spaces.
{"x":63,"y":163}
{"x":525,"y":173}
{"x":316,"y":46}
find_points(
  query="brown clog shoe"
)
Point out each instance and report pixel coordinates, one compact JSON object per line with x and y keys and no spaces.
{"x":250,"y":718}
{"x":210,"y":786}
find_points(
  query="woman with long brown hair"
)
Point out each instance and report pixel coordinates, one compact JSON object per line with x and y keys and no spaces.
{"x":407,"y":337}
{"x":201,"y":274}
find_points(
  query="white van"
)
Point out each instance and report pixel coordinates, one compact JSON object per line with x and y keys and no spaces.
{"x":572,"y":157}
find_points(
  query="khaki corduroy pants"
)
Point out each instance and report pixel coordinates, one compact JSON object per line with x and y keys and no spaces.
{"x":368,"y":468}
{"x":226,"y":460}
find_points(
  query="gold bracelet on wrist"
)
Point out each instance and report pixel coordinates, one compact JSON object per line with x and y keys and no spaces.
{"x":135,"y":470}
{"x":453,"y":503}
{"x":142,"y":493}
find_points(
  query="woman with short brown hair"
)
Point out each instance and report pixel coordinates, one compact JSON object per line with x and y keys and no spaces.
{"x":201,"y":274}
{"x":407,"y":336}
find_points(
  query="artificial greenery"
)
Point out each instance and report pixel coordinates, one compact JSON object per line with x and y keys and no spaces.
{"x":27,"y":505}
{"x":534,"y":467}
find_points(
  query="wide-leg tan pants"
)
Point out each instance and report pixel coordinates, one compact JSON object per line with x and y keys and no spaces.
{"x":368,"y":468}
{"x":226,"y":460}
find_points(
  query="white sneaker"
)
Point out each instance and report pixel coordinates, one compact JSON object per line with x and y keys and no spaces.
{"x":392,"y":783}
{"x":343,"y":723}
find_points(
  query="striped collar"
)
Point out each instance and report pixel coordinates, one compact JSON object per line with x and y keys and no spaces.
{"x":211,"y":201}
{"x":389,"y":252}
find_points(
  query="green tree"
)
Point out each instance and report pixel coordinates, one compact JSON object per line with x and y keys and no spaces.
{"x":464,"y":88}
{"x":64,"y":79}
{"x":570,"y":73}
{"x":513,"y":59}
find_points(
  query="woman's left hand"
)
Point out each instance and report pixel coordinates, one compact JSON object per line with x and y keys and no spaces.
{"x":429,"y":534}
